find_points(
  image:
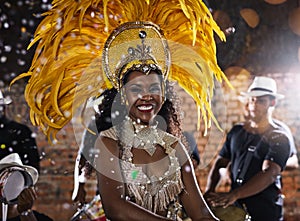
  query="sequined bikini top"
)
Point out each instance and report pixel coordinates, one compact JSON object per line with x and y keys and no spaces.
{"x":154,"y":193}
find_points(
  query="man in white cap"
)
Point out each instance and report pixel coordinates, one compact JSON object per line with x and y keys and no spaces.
{"x":16,"y":137}
{"x":257,"y":151}
{"x":293,"y":161}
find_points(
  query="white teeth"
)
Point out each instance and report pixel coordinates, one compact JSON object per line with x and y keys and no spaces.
{"x":144,"y":107}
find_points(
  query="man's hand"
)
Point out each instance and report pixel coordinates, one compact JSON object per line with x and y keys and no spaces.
{"x":26,"y":199}
{"x":220,"y":199}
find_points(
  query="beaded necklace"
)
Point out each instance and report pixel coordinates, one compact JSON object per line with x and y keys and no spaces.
{"x":141,"y":136}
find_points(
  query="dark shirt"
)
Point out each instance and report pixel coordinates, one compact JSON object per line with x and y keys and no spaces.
{"x":18,"y":138}
{"x":87,"y":149}
{"x":192,"y":146}
{"x":273,"y":145}
{"x":39,"y":217}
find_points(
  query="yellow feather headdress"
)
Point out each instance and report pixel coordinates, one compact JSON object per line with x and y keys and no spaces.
{"x":66,"y":68}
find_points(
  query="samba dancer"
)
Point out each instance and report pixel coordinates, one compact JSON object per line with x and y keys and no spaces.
{"x":142,"y":153}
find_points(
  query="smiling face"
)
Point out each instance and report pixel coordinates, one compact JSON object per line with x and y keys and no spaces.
{"x":143,"y":95}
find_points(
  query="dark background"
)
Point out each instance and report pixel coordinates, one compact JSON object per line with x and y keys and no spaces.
{"x":271,"y":46}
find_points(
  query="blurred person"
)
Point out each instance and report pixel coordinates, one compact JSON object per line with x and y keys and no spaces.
{"x":85,"y":161}
{"x":257,"y":151}
{"x":192,"y":148}
{"x":19,"y":146}
{"x":86,"y":154}
{"x":293,"y":161}
{"x":16,"y":137}
{"x":17,"y":191}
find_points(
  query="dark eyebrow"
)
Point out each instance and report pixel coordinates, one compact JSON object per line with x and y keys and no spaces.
{"x":139,"y":85}
{"x":155,"y":84}
{"x":133,"y":85}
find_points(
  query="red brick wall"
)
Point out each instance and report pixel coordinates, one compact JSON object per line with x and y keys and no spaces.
{"x":56,"y":179}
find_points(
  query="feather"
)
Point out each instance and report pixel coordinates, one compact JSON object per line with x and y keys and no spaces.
{"x":66,"y":68}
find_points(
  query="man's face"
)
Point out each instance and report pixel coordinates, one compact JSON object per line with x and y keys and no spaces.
{"x":258,"y":107}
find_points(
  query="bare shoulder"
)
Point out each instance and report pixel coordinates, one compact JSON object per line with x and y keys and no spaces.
{"x":107,"y":158}
{"x":107,"y":145}
{"x":181,"y":151}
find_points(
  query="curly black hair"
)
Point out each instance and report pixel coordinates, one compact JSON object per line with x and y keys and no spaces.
{"x":112,"y":111}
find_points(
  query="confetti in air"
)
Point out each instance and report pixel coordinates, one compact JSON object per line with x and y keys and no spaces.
{"x":18,"y":21}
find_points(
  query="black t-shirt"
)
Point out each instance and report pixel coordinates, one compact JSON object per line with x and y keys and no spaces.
{"x":39,"y":217}
{"x":18,"y":138}
{"x":87,"y":149}
{"x":273,"y":145}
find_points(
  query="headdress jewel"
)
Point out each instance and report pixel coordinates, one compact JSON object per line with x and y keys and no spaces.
{"x":135,"y":46}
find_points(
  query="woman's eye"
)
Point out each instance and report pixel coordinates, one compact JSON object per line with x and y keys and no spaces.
{"x":135,"y":90}
{"x":155,"y":89}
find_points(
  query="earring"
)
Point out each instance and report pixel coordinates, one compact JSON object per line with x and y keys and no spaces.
{"x":164,"y":93}
{"x":124,"y":100}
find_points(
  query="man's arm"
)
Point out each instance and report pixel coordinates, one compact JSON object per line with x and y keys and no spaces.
{"x":25,"y":202}
{"x":256,"y":184}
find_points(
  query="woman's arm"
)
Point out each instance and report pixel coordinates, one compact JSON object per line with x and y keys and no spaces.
{"x":192,"y":198}
{"x":112,"y":187}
